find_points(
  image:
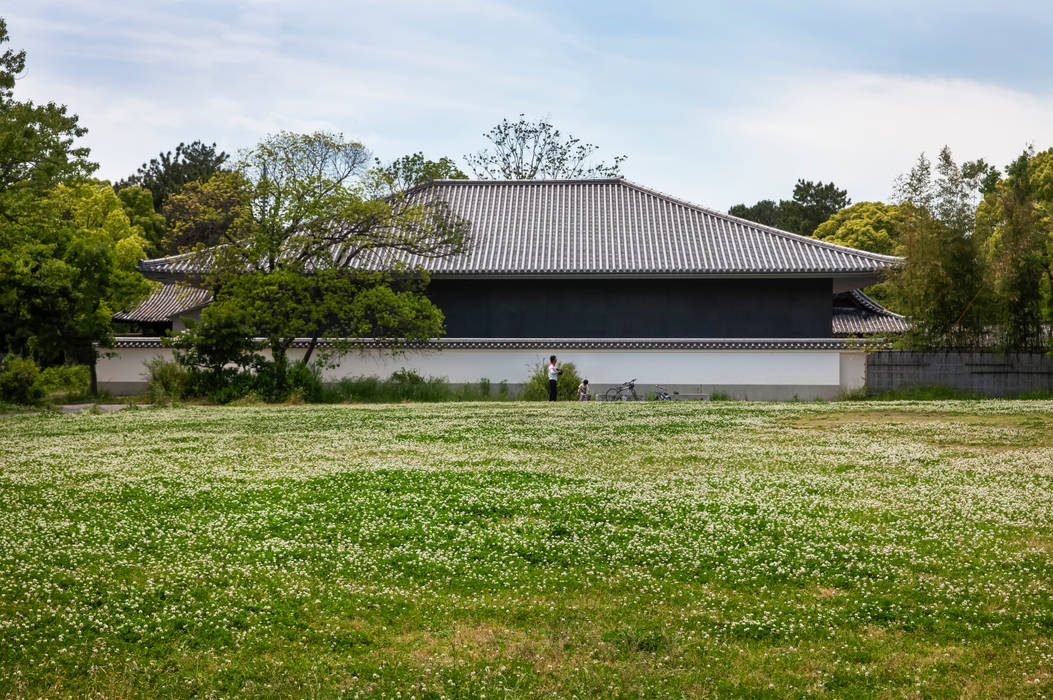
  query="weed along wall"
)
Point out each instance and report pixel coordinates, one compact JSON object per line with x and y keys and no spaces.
{"x":986,"y":373}
{"x":758,"y":370}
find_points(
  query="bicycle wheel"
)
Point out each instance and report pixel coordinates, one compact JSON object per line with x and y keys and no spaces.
{"x":612,"y":394}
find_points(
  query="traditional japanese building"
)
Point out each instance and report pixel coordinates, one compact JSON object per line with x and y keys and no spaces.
{"x":625,"y":282}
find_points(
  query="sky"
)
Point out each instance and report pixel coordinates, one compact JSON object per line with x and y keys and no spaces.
{"x":714,"y":102}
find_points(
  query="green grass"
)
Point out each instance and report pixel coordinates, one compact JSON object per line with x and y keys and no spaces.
{"x":515,"y":550}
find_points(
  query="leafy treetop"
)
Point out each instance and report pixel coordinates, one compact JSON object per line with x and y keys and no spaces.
{"x":408,"y":171}
{"x":812,"y":204}
{"x":36,"y":141}
{"x":166,"y":174}
{"x":525,"y":150}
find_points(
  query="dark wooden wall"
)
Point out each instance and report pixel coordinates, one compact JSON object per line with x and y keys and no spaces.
{"x":635,"y":308}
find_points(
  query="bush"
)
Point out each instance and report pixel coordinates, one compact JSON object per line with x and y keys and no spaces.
{"x":536,"y":388}
{"x":404,"y":385}
{"x":20,"y":381}
{"x":306,"y":382}
{"x":69,"y":380}
{"x":168,"y":381}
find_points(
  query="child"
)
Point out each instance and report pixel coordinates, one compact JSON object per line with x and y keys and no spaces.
{"x":583,"y":390}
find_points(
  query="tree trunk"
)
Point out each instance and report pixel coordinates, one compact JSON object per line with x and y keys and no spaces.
{"x":92,"y":359}
{"x":310,"y":349}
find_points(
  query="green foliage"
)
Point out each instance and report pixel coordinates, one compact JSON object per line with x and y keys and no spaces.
{"x":138,"y":206}
{"x":221,"y":340}
{"x":408,"y":171}
{"x":67,"y":248}
{"x":168,"y":381}
{"x":75,"y":380}
{"x":871,"y":226}
{"x":764,"y":212}
{"x":403,"y":386}
{"x":169,"y":172}
{"x":67,"y":264}
{"x":20,"y":381}
{"x":812,"y":204}
{"x":205,"y":213}
{"x":12,"y":63}
{"x":1015,"y":235}
{"x":37,"y":148}
{"x":525,"y":150}
{"x":940,"y":286}
{"x":934,"y":392}
{"x":301,"y":225}
{"x":536,"y":387}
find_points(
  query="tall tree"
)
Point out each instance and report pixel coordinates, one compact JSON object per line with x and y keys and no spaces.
{"x":812,"y":204}
{"x":526,"y":150}
{"x":139,"y":207}
{"x":1015,"y":232}
{"x":872,"y":226}
{"x":67,"y":264}
{"x":67,"y":248}
{"x":764,"y":212}
{"x":311,"y":254}
{"x":202,"y":213}
{"x":166,"y":174}
{"x":37,"y":142}
{"x":941,"y":285}
{"x":408,"y":171}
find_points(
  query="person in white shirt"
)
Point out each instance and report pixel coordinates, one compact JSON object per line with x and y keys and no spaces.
{"x":553,"y":377}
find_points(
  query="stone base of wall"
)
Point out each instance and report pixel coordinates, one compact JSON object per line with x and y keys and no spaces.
{"x":986,"y":373}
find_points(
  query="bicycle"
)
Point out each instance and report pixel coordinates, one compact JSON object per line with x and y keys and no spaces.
{"x":622,"y":392}
{"x":661,"y":394}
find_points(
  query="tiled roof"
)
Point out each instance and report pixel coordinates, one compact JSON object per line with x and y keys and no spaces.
{"x":604,"y":226}
{"x":566,"y":343}
{"x":856,"y":314}
{"x":167,"y":303}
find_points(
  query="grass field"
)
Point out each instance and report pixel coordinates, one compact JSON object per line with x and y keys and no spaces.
{"x":847,"y":550}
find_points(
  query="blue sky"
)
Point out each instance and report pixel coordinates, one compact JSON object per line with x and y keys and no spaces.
{"x":716,"y":102}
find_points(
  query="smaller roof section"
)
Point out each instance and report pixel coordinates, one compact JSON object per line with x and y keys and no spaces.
{"x":167,"y":304}
{"x":856,"y":314}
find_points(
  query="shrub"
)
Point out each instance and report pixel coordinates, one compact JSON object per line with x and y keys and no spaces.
{"x":536,"y":388}
{"x":404,"y":385}
{"x":20,"y":381}
{"x":69,"y":380}
{"x":168,"y":381}
{"x":306,"y":382}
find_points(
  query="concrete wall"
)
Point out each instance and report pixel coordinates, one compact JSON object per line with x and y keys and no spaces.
{"x":985,"y":373}
{"x":749,"y":374}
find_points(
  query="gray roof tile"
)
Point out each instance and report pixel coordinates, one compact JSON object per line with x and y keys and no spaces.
{"x":856,"y":314}
{"x":167,"y":303}
{"x":604,"y":226}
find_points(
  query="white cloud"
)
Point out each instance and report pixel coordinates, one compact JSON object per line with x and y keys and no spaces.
{"x":862,"y":130}
{"x":408,"y":75}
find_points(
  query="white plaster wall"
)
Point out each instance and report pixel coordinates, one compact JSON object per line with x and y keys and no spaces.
{"x":853,"y":370}
{"x":605,"y":366}
{"x":126,"y":367}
